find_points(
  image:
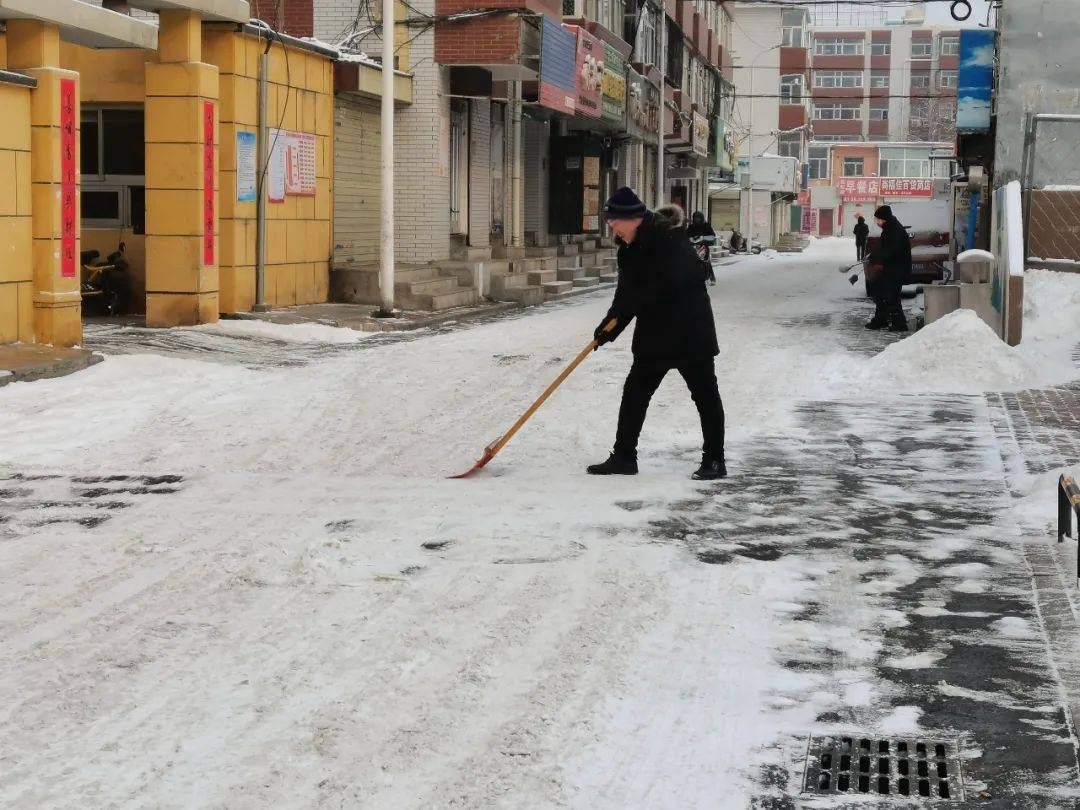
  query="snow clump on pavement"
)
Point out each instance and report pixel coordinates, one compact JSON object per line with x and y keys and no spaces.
{"x":958,"y":353}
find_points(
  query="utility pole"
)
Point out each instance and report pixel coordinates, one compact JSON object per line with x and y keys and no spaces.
{"x":660,"y":195}
{"x":386,"y":254}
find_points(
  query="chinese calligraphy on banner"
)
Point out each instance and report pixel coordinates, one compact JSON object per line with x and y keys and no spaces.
{"x":907,"y":187}
{"x":859,"y":189}
{"x":208,"y":184}
{"x":68,"y":202}
{"x":809,"y":220}
{"x":868,"y":189}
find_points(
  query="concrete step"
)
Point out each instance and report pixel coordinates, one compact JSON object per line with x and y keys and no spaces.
{"x":607,"y":242}
{"x":557,"y":289}
{"x":467,"y":253}
{"x":609,"y":278}
{"x":571,"y":273}
{"x":491,"y":265}
{"x":526,"y":296}
{"x":549,"y":263}
{"x":568,"y":262}
{"x":590,"y":244}
{"x":449,"y":300}
{"x":586,"y":282}
{"x":404,"y":275}
{"x":541,"y":252}
{"x":538,"y":278}
{"x":595,"y":272}
{"x":569,"y":250}
{"x":506,"y":252}
{"x":524,"y":265}
{"x":433,"y":286}
{"x":500,"y":284}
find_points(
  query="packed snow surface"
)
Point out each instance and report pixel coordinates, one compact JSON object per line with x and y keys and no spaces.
{"x":308,"y":613}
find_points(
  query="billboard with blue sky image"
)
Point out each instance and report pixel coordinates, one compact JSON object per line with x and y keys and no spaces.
{"x":975,"y":81}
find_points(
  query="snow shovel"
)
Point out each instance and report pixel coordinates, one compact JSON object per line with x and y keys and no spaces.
{"x":492,"y":449}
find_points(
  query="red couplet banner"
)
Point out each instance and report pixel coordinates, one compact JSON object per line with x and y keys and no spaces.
{"x":208,"y":183}
{"x":69,"y":213}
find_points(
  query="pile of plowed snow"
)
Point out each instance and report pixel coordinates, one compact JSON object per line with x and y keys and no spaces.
{"x":958,"y":353}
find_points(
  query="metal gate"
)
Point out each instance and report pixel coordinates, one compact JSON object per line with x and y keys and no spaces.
{"x":1050,"y":185}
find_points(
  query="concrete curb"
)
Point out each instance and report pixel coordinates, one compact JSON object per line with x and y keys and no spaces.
{"x":27,"y":363}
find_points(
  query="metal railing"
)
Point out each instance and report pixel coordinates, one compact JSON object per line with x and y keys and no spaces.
{"x":1050,"y":161}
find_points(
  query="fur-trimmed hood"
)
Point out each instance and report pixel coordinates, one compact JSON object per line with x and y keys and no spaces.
{"x":669,"y":217}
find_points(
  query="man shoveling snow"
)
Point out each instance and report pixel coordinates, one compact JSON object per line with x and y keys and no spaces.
{"x":662,"y":284}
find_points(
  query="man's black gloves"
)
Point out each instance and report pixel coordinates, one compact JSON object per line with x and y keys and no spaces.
{"x":601,"y":337}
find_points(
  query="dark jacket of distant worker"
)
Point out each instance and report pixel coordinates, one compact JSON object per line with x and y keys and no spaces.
{"x":893,"y":253}
{"x":861,"y":231}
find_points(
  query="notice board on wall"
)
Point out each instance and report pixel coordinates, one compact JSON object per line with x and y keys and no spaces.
{"x":291,"y":171}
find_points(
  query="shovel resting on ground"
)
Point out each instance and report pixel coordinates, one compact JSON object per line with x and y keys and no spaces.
{"x":492,"y":449}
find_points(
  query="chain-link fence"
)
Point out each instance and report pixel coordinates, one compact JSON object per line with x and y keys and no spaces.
{"x":1050,"y":183}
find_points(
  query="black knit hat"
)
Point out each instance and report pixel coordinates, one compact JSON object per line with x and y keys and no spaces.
{"x":624,"y":204}
{"x":883,"y":212}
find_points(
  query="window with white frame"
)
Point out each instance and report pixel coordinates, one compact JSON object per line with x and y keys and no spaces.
{"x":817,"y":158}
{"x":904,"y":162}
{"x":789,"y":144}
{"x":922,"y":50}
{"x":946,"y":78}
{"x":791,"y":89}
{"x":838,"y":47}
{"x":853,"y":167}
{"x":647,"y":47}
{"x":837,"y":138}
{"x":920,"y":81}
{"x":836,"y":112}
{"x":879,"y":113}
{"x":879,"y":78}
{"x":794,"y":34}
{"x":880,"y":48}
{"x":113,"y":167}
{"x":838,"y":78}
{"x":950,"y":46}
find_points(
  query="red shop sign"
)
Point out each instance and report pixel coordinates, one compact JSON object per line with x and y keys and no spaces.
{"x":69,"y":216}
{"x":208,"y":183}
{"x":859,"y":189}
{"x":907,"y":187}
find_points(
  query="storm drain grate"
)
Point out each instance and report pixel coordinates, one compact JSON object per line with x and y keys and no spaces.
{"x":924,"y":767}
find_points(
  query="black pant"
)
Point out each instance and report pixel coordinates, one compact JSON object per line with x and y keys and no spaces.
{"x":641,"y":383}
{"x":860,"y":249}
{"x":888,"y":308}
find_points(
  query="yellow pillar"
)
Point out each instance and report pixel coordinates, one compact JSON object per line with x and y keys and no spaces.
{"x":34,"y":49}
{"x":181,"y":177}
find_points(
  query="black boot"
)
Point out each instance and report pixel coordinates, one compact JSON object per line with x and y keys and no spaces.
{"x":876,"y":323}
{"x":615,"y":465}
{"x":711,"y":469}
{"x":898,"y":325}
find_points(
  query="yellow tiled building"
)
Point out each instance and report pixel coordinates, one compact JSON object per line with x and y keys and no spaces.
{"x":160,"y":155}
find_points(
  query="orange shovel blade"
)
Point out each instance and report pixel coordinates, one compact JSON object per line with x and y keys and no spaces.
{"x":489,"y":454}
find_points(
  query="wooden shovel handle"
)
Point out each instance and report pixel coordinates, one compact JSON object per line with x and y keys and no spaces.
{"x":495,"y":447}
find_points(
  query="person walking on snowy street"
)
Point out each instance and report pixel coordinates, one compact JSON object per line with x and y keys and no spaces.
{"x":702,"y":236}
{"x":861,"y":231}
{"x":661,"y":284}
{"x":893,"y":253}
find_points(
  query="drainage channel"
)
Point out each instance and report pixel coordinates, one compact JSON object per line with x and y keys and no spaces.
{"x":926,"y":767}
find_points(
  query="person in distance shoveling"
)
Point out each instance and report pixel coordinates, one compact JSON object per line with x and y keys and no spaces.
{"x":662,"y":285}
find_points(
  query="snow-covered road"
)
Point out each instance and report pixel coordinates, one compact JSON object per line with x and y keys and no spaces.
{"x":226,"y":583}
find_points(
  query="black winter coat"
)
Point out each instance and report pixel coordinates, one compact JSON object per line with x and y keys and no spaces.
{"x":861,"y":231}
{"x":893,"y":253}
{"x":704,"y":229}
{"x":662,"y":284}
